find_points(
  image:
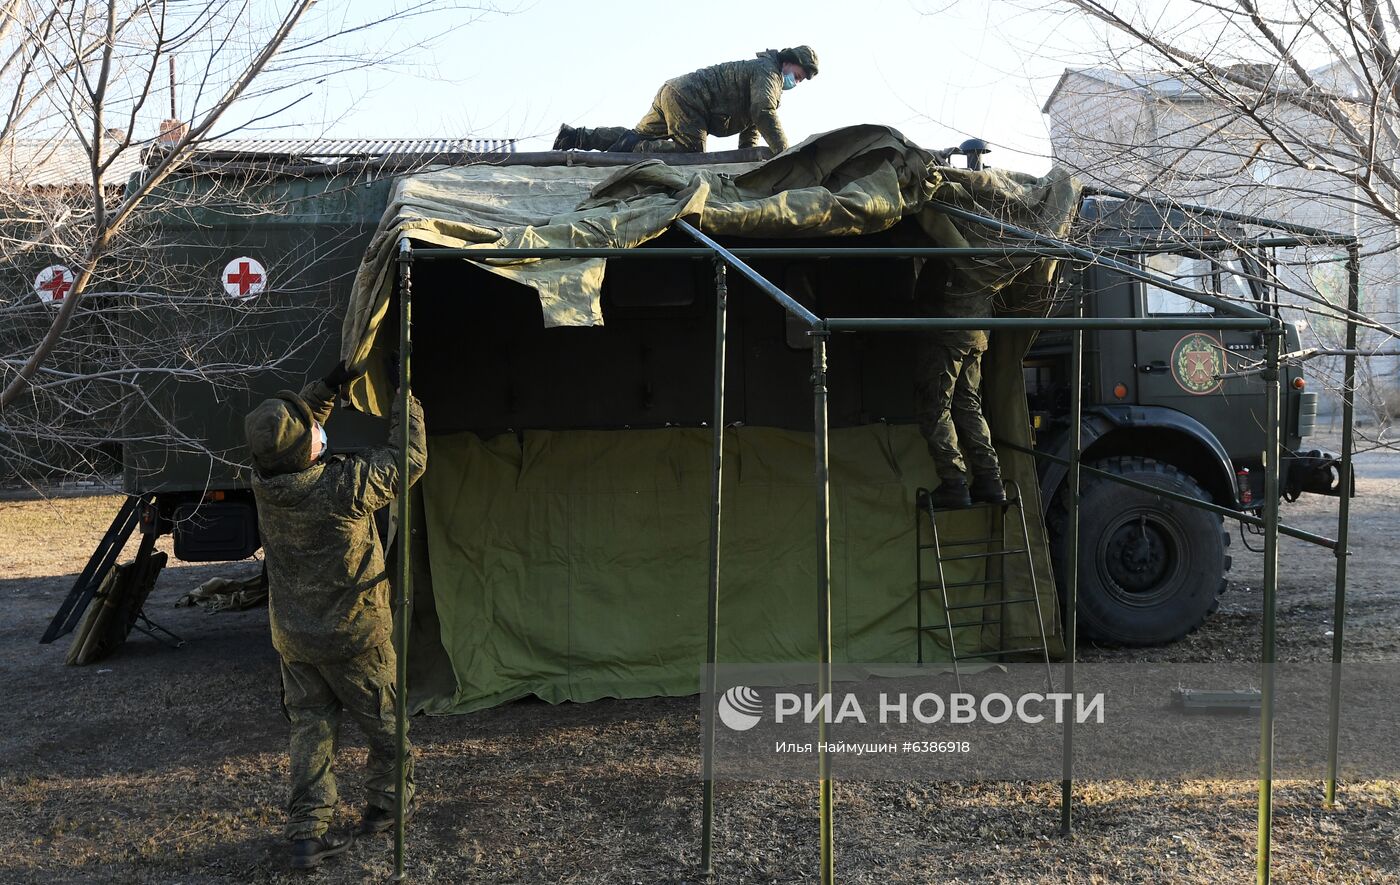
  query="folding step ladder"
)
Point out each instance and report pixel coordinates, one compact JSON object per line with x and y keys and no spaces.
{"x":975,"y":613}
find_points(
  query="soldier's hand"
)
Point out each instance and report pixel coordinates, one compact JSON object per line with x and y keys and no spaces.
{"x":338,"y":376}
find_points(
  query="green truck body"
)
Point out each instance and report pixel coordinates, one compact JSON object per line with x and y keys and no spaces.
{"x":1153,"y":408}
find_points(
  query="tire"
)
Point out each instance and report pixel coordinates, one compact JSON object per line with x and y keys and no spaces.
{"x":1151,"y":570}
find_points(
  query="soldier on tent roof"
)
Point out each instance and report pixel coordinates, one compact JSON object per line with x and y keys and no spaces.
{"x":734,"y":98}
{"x":328,"y":601}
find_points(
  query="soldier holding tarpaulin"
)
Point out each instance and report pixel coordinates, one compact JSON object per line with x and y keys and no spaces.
{"x":329,"y":601}
{"x":734,"y":98}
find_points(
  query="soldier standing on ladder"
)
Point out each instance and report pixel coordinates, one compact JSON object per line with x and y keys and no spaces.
{"x":329,"y":601}
{"x":948,"y":391}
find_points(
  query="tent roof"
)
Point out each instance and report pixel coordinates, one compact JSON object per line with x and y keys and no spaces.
{"x":848,"y":182}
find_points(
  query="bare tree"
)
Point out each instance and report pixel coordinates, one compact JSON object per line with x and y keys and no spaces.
{"x":1287,"y":109}
{"x":94,"y":85}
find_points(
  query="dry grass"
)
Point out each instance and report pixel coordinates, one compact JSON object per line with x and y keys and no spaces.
{"x":169,"y":766}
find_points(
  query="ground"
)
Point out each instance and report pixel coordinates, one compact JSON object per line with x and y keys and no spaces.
{"x":160,"y":765}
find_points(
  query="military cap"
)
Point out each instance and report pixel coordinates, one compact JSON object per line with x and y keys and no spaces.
{"x":279,"y":434}
{"x":801,"y":55}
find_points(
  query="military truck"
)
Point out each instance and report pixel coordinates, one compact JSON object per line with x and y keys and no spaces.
{"x":1157,"y":410}
{"x":1154,"y":409}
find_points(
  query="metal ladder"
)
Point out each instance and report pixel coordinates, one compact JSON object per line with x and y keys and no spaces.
{"x":994,"y":556}
{"x":70,"y":612}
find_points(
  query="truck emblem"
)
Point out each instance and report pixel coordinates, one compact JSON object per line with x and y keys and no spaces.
{"x":1197,"y":361}
{"x":53,"y":283}
{"x":244,"y":278}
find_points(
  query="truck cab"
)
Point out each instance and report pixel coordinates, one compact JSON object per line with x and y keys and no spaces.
{"x":1183,"y":410}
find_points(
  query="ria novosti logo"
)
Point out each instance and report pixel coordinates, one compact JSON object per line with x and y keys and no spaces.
{"x":741,"y":708}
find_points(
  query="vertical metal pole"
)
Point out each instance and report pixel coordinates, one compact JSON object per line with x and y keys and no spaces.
{"x":1266,"y":710}
{"x":707,"y":814}
{"x":1339,"y":608}
{"x":1076,"y":442}
{"x":821,"y":434}
{"x":404,"y":535}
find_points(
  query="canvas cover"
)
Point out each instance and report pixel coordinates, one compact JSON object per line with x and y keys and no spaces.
{"x":573,"y":565}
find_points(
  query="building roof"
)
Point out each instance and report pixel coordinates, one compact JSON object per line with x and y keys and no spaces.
{"x":1156,"y":85}
{"x":332,"y":149}
{"x":46,"y":162}
{"x":1162,"y":85}
{"x":38,"y":162}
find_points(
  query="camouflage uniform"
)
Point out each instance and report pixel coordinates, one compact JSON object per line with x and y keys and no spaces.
{"x":734,"y":98}
{"x":949,"y":384}
{"x":329,"y":595}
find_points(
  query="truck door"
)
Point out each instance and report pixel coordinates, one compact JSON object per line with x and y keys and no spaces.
{"x":1179,"y":369}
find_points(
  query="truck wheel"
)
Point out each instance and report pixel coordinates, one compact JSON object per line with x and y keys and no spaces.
{"x":1150,"y":570}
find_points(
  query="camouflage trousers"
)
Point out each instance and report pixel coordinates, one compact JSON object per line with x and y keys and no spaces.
{"x":314,"y":694}
{"x":672,"y":125}
{"x":949,"y":391}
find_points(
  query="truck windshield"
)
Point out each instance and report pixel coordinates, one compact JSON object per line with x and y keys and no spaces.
{"x":1234,"y":281}
{"x":1223,"y":275}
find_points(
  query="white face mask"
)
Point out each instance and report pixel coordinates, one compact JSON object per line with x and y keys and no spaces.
{"x":324,"y":443}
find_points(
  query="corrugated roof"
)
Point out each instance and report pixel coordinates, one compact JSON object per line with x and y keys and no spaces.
{"x":42,"y":162}
{"x":64,"y":163}
{"x":356,"y":148}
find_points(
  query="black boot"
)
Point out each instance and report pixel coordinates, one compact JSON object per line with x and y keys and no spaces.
{"x":626,"y":143}
{"x":308,"y":853}
{"x":567,"y":139}
{"x":376,"y":820}
{"x":987,"y":489}
{"x":950,"y":494}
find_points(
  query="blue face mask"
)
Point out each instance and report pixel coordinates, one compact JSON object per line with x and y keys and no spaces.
{"x":789,"y":81}
{"x":324,"y":443}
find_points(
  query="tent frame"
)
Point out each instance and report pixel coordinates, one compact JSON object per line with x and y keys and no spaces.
{"x":1032,"y":245}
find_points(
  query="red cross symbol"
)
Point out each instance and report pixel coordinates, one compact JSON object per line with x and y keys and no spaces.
{"x":245,"y":278}
{"x":57,"y":285}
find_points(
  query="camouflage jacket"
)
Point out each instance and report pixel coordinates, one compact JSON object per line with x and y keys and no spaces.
{"x":949,"y":294}
{"x":738,"y":97}
{"x":328,"y":591}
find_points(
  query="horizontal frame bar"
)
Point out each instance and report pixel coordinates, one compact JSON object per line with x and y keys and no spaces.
{"x":1046,"y":324}
{"x":825,"y":253}
{"x":790,"y":304}
{"x":1089,"y":255}
{"x":1247,"y":519}
{"x":1225,"y":215}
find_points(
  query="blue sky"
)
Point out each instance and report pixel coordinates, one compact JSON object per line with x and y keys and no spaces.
{"x":939,"y":72}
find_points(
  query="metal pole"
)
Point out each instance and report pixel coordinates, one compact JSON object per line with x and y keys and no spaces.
{"x":821,"y":437}
{"x":1255,"y":220}
{"x":1169,"y":495}
{"x":1339,"y":610}
{"x":651,"y":253}
{"x":405,"y":571}
{"x":1040,"y":324}
{"x":1005,"y":227}
{"x":707,"y":813}
{"x":1266,"y":710}
{"x":790,"y":304}
{"x":1076,"y":424}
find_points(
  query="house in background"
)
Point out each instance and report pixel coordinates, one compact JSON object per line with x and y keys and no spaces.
{"x":1158,"y":133}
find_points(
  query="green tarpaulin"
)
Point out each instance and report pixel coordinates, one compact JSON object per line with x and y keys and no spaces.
{"x":573,"y":565}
